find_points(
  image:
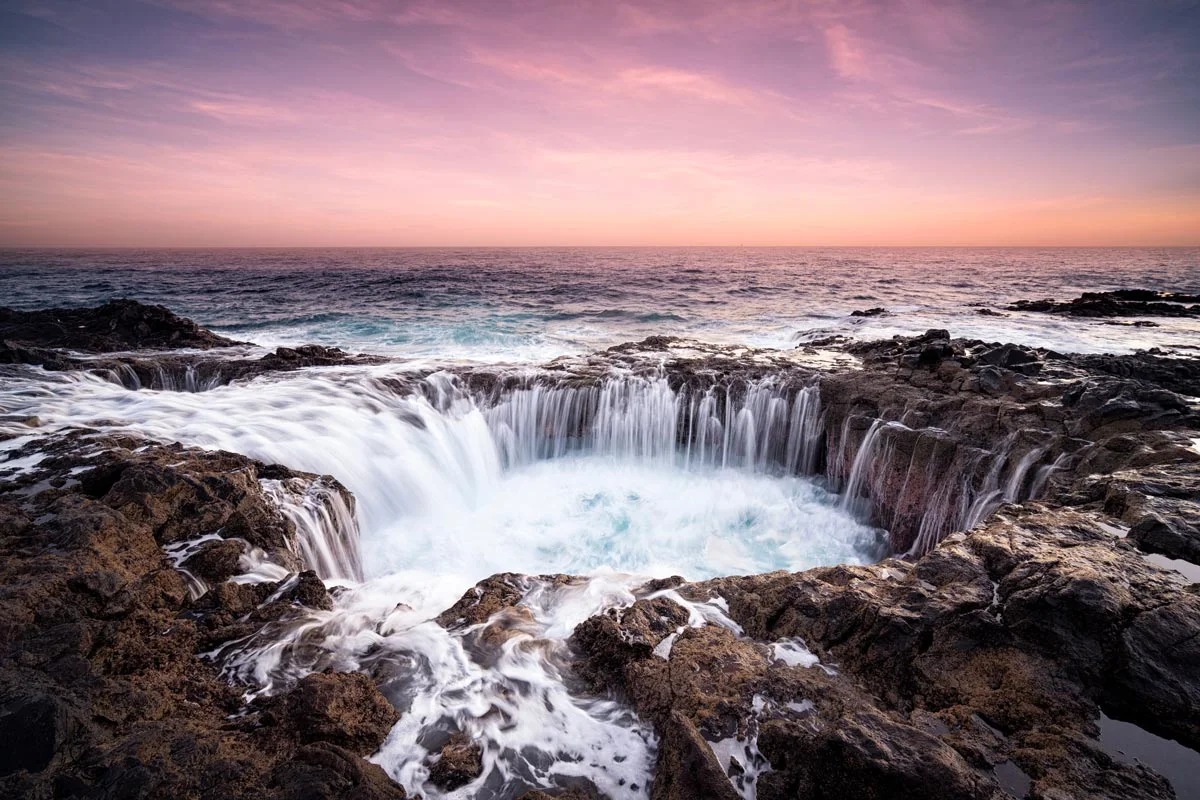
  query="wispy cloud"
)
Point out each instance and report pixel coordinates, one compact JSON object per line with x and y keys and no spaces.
{"x":478,"y":117}
{"x":847,"y":54}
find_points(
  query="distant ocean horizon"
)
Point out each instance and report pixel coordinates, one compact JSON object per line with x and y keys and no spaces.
{"x":526,"y":304}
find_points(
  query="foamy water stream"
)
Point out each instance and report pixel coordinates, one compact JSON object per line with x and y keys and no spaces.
{"x":592,"y":482}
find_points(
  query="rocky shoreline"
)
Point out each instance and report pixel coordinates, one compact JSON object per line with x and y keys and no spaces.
{"x":975,"y":666}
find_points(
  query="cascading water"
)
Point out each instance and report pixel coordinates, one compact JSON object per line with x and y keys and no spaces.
{"x":614,"y":479}
{"x":326,"y":529}
{"x":768,"y":427}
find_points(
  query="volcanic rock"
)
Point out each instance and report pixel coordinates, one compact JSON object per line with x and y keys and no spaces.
{"x":116,"y":325}
{"x":71,"y":339}
{"x":1122,"y":303}
{"x":102,"y":691}
{"x":459,"y":763}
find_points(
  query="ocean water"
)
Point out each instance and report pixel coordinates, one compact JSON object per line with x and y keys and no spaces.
{"x":451,"y":488}
{"x":534,"y":304}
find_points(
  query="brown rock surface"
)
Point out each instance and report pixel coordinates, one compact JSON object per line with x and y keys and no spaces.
{"x":102,"y":692}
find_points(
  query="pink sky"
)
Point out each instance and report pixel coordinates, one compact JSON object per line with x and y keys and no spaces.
{"x":360,"y":122}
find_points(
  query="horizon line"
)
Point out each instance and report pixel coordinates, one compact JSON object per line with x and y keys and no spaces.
{"x":27,"y":247}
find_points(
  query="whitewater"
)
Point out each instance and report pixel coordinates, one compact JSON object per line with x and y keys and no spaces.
{"x":611,"y":483}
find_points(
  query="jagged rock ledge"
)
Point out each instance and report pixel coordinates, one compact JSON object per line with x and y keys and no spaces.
{"x":103,"y":341}
{"x":102,"y":689}
{"x":1119,"y":303}
{"x":976,"y":667}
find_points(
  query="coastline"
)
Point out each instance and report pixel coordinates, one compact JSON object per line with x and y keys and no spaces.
{"x":1023,"y":610}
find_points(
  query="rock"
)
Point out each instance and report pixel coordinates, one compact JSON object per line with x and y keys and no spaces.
{"x":344,"y":709}
{"x":34,"y":727}
{"x":459,"y":763}
{"x":715,"y":690}
{"x":490,"y":595}
{"x":573,"y":793}
{"x":102,"y":690}
{"x":621,"y":635}
{"x":322,"y":770}
{"x":216,"y":562}
{"x":116,"y":325}
{"x":870,"y":312}
{"x":1174,"y":373}
{"x":1122,"y":303}
{"x":1154,"y":681}
{"x":1010,"y":356}
{"x":49,"y":338}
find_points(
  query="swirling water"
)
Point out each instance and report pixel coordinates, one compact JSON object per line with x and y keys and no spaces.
{"x":451,"y":489}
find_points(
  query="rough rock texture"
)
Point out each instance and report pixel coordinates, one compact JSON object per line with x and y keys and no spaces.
{"x":992,"y":423}
{"x":101,"y":690}
{"x":979,"y":655}
{"x":998,"y":646}
{"x":64,"y":339}
{"x":116,"y":325}
{"x":459,"y":763}
{"x":1121,"y":303}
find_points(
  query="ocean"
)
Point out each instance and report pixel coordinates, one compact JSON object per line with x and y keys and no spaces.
{"x":452,"y":487}
{"x":529,"y":305}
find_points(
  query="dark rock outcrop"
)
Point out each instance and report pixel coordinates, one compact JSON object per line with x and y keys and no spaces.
{"x":117,"y":325}
{"x":65,"y":339}
{"x":1006,"y":422}
{"x":1121,"y":303}
{"x":998,"y":647}
{"x":459,"y":763}
{"x":102,"y":690}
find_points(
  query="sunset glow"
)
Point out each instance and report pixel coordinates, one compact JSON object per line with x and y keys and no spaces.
{"x":364,"y":122}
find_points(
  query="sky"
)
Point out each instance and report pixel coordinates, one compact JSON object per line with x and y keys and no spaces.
{"x":599,"y":122}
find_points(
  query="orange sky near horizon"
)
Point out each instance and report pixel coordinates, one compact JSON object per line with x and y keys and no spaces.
{"x":767,"y":122}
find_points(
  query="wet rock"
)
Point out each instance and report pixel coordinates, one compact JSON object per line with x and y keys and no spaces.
{"x":615,"y":638}
{"x":1028,"y":622}
{"x":491,"y":595}
{"x":216,"y":562}
{"x":56,"y":338}
{"x":870,"y":312}
{"x":1012,"y":357}
{"x":574,"y":793}
{"x":1155,"y":679}
{"x":1175,"y":535}
{"x":102,"y":690}
{"x":116,"y":325}
{"x":1122,"y":303}
{"x":687,"y":766}
{"x":1174,"y":373}
{"x":718,"y":694}
{"x":459,"y":762}
{"x":322,"y":770}
{"x":34,"y":728}
{"x":344,"y":709}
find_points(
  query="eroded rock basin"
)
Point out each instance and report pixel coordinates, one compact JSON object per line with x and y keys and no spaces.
{"x":944,"y":548}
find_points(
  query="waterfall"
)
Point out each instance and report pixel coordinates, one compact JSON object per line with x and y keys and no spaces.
{"x":766,"y":427}
{"x":1040,"y":478}
{"x":991,"y":495}
{"x":326,"y":528}
{"x":863,"y":461}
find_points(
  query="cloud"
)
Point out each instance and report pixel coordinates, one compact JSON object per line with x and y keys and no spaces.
{"x":847,"y":54}
{"x":605,"y":75}
{"x":244,"y":111}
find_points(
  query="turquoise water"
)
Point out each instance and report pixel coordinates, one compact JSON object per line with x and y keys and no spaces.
{"x":532,"y":304}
